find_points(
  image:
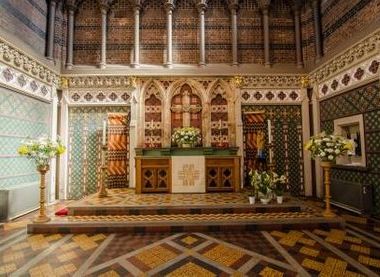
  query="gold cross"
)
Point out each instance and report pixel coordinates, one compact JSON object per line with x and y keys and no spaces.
{"x":188,"y":174}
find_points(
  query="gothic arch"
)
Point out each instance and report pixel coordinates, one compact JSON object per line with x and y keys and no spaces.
{"x":153,"y":95}
{"x":198,"y":91}
{"x":222,"y":114}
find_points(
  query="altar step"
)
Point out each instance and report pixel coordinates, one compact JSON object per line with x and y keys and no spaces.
{"x":226,"y":222}
{"x":289,"y":206}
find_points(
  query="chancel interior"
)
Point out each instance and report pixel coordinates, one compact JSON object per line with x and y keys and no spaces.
{"x":189,"y":138}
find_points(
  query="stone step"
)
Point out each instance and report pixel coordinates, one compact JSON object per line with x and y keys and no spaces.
{"x":291,"y":206}
{"x":186,"y":222}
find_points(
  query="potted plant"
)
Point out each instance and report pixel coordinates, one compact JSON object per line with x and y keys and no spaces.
{"x":186,"y":137}
{"x":265,"y":183}
{"x":254,"y":179}
{"x":327,"y":147}
{"x":278,"y":184}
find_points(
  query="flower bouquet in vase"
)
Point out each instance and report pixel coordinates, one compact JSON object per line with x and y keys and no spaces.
{"x":186,"y":137}
{"x":327,"y":147}
{"x":41,"y":151}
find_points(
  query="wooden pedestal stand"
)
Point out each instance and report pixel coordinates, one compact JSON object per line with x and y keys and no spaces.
{"x":42,"y":217}
{"x":326,"y":174}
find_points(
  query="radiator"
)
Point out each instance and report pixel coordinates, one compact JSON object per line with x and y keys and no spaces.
{"x":18,"y":200}
{"x":356,"y":197}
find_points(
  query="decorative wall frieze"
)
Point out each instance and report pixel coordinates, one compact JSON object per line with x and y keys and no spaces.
{"x":269,"y":81}
{"x":272,"y":96}
{"x":101,"y":96}
{"x":360,"y":73}
{"x":22,"y":82}
{"x":127,"y":82}
{"x":24,"y":63}
{"x":360,"y":51}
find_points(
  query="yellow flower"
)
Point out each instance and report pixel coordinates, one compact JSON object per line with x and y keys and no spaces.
{"x":23,"y":150}
{"x":61,"y":149}
{"x":308,"y":145}
{"x":349,"y":145}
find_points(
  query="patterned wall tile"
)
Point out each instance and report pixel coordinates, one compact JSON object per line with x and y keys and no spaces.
{"x":85,"y":124}
{"x":20,"y":117}
{"x":287,"y":136}
{"x":363,"y":100}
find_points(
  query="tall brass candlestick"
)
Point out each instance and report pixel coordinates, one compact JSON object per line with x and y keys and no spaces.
{"x":42,"y":217}
{"x":102,"y":188}
{"x":271,"y":164}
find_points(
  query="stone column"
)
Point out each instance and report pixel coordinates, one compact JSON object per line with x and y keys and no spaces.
{"x":169,"y":25}
{"x":70,"y":37}
{"x":53,"y":135}
{"x":317,"y":29}
{"x":316,"y":130}
{"x":136,"y":52}
{"x":50,"y":31}
{"x":64,"y":134}
{"x":297,"y":30}
{"x":103,"y":51}
{"x":308,"y":189}
{"x":265,"y":12}
{"x":233,"y":9}
{"x":133,"y":137}
{"x":202,"y":41}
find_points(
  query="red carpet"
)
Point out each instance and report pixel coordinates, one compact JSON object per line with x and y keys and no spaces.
{"x":62,"y":212}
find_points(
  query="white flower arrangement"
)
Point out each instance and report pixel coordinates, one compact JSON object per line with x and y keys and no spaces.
{"x":328,"y":147}
{"x":41,"y":150}
{"x":264,"y":182}
{"x":186,"y":135}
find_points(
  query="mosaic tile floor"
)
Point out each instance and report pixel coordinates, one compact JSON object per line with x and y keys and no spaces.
{"x":128,"y":198}
{"x":353,"y":251}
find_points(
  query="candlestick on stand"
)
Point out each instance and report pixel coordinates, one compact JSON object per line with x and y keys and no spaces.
{"x":104,"y":132}
{"x":270,"y":146}
{"x":102,"y":187}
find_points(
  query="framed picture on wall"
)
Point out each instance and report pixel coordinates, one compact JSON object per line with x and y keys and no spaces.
{"x":352,"y":127}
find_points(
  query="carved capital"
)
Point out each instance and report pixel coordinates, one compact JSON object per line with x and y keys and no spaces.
{"x":71,"y":5}
{"x":201,"y":5}
{"x":264,"y":5}
{"x":104,"y":5}
{"x":169,"y":5}
{"x":233,"y":5}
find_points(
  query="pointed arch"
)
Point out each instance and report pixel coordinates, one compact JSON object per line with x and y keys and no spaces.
{"x":153,"y":115}
{"x":222,"y":115}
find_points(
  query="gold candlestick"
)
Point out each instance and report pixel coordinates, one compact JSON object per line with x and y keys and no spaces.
{"x":42,"y":217}
{"x":326,"y":165}
{"x":271,"y":163}
{"x":102,"y":188}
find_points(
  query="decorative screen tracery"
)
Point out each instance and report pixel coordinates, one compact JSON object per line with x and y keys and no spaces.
{"x":153,"y":118}
{"x":219,"y":118}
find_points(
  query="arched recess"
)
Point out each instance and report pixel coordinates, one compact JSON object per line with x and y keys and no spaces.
{"x":120,"y":36}
{"x":282,"y":34}
{"x":87,"y":33}
{"x":194,"y":109}
{"x":185,"y":32}
{"x":222,"y":115}
{"x":153,"y":32}
{"x":153,"y":117}
{"x":250,"y":32}
{"x":218,"y":32}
